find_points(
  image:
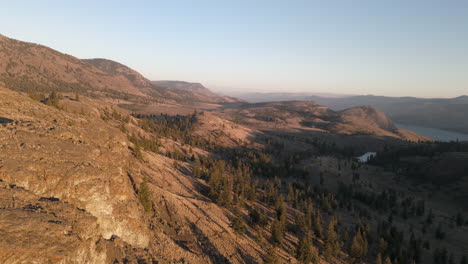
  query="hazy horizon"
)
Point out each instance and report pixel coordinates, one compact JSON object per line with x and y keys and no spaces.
{"x":415,"y":49}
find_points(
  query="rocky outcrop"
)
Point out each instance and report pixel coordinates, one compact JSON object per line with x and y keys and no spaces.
{"x":75,"y":158}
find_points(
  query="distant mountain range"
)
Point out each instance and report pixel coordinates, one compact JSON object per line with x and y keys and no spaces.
{"x":448,"y":114}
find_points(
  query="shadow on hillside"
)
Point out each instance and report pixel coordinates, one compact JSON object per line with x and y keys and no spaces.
{"x":208,"y":248}
{"x":4,"y":120}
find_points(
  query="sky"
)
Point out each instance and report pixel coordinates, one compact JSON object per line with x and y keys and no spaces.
{"x":394,"y":48}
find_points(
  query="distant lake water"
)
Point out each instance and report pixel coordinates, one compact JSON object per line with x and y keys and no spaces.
{"x":366,"y":156}
{"x":434,"y":133}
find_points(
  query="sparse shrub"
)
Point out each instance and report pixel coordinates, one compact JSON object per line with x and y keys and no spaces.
{"x":54,"y":100}
{"x":36,"y":96}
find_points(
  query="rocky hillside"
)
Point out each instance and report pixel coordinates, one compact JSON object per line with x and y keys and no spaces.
{"x":72,"y":176}
{"x":30,"y":67}
{"x":370,"y":115}
{"x":307,"y":115}
{"x":117,"y":69}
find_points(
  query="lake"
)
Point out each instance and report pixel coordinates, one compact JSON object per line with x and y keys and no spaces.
{"x":434,"y":133}
{"x":366,"y":156}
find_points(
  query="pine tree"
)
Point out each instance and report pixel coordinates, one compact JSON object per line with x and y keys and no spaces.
{"x":331,"y":242}
{"x":359,"y":246}
{"x":314,"y":255}
{"x":54,"y":100}
{"x":304,"y":251}
{"x":225,"y":195}
{"x":281,"y":213}
{"x":290,"y":196}
{"x":137,"y":152}
{"x":237,"y":224}
{"x":387,"y":261}
{"x":301,"y":226}
{"x":144,"y":195}
{"x":259,"y":237}
{"x":276,"y":232}
{"x":318,"y":229}
{"x":378,"y":259}
{"x":271,"y":257}
{"x":254,"y":215}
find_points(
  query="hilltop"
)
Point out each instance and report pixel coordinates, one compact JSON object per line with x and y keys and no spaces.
{"x":29,"y":67}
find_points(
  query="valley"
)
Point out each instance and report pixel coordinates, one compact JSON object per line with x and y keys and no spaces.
{"x":98,"y":164}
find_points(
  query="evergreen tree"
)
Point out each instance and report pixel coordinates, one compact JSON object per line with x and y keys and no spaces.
{"x":387,"y":260}
{"x":304,"y":251}
{"x":271,"y":257}
{"x":54,"y":100}
{"x":281,"y":213}
{"x":144,"y":195}
{"x":225,"y":196}
{"x":254,"y":215}
{"x":137,"y":152}
{"x":301,"y":226}
{"x":378,"y":259}
{"x":291,"y":195}
{"x":276,"y":232}
{"x":314,"y":255}
{"x":259,"y":236}
{"x":358,"y":246}
{"x":237,"y":224}
{"x":332,"y":245}
{"x":318,"y":229}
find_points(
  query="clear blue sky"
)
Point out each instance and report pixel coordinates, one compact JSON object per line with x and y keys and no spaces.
{"x":409,"y":47}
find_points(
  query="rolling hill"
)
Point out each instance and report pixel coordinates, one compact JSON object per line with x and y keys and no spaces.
{"x":30,"y":67}
{"x":447,"y":114}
